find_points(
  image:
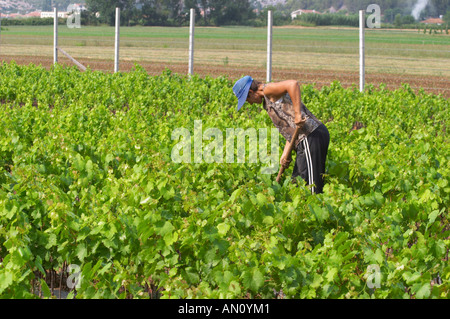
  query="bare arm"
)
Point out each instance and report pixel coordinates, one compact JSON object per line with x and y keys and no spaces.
{"x":274,"y":91}
{"x":286,"y":158}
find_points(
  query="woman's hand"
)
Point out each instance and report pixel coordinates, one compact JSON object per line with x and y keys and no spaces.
{"x":299,"y":120}
{"x":285,"y":161}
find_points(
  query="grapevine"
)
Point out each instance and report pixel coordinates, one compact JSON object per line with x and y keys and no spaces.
{"x":87,"y":179}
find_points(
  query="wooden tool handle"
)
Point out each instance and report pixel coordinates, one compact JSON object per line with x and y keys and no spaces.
{"x":291,"y":146}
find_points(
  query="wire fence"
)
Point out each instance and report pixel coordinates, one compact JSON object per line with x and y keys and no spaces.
{"x":311,"y":55}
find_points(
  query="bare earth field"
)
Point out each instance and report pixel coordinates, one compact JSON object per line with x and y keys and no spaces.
{"x":430,"y":84}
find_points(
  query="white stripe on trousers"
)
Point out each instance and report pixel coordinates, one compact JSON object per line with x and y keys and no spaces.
{"x":309,"y":164}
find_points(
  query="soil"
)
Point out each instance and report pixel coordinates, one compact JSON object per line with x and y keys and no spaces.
{"x":430,"y":84}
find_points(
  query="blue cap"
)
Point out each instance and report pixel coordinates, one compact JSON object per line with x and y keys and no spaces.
{"x":241,"y":88}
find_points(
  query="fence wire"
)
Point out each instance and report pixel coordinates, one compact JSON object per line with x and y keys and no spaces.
{"x":316,"y":56}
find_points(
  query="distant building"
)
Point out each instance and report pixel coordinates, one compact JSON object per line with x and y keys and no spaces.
{"x":35,"y":14}
{"x":14,"y":15}
{"x":81,"y":6}
{"x":51,"y":14}
{"x":76,"y":7}
{"x":437,"y":21}
{"x":296,"y":13}
{"x":265,"y":3}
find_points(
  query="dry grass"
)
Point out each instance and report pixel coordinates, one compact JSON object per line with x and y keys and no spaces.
{"x":246,"y":58}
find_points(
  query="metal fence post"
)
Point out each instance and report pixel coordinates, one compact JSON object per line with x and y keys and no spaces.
{"x":191,"y":42}
{"x":55,"y":35}
{"x":269,"y":46}
{"x":0,"y":27}
{"x":361,"y":50}
{"x":116,"y":41}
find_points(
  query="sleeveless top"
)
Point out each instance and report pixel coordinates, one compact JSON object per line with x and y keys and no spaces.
{"x":282,"y":114}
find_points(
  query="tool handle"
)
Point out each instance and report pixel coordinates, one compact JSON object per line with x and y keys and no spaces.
{"x":291,"y":146}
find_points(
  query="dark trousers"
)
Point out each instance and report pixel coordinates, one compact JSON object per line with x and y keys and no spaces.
{"x":311,"y":157}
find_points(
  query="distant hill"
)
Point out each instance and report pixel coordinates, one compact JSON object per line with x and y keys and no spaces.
{"x":13,"y":6}
{"x":22,"y":6}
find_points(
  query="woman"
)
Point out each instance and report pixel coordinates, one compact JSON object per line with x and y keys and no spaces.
{"x":282,"y":101}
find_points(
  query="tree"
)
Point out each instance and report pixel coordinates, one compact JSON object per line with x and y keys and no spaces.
{"x":191,"y":4}
{"x":230,"y":11}
{"x":107,"y":9}
{"x":154,"y":12}
{"x":390,"y":14}
{"x":440,"y":6}
{"x":447,"y":17}
{"x":398,"y":20}
{"x":408,"y":19}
